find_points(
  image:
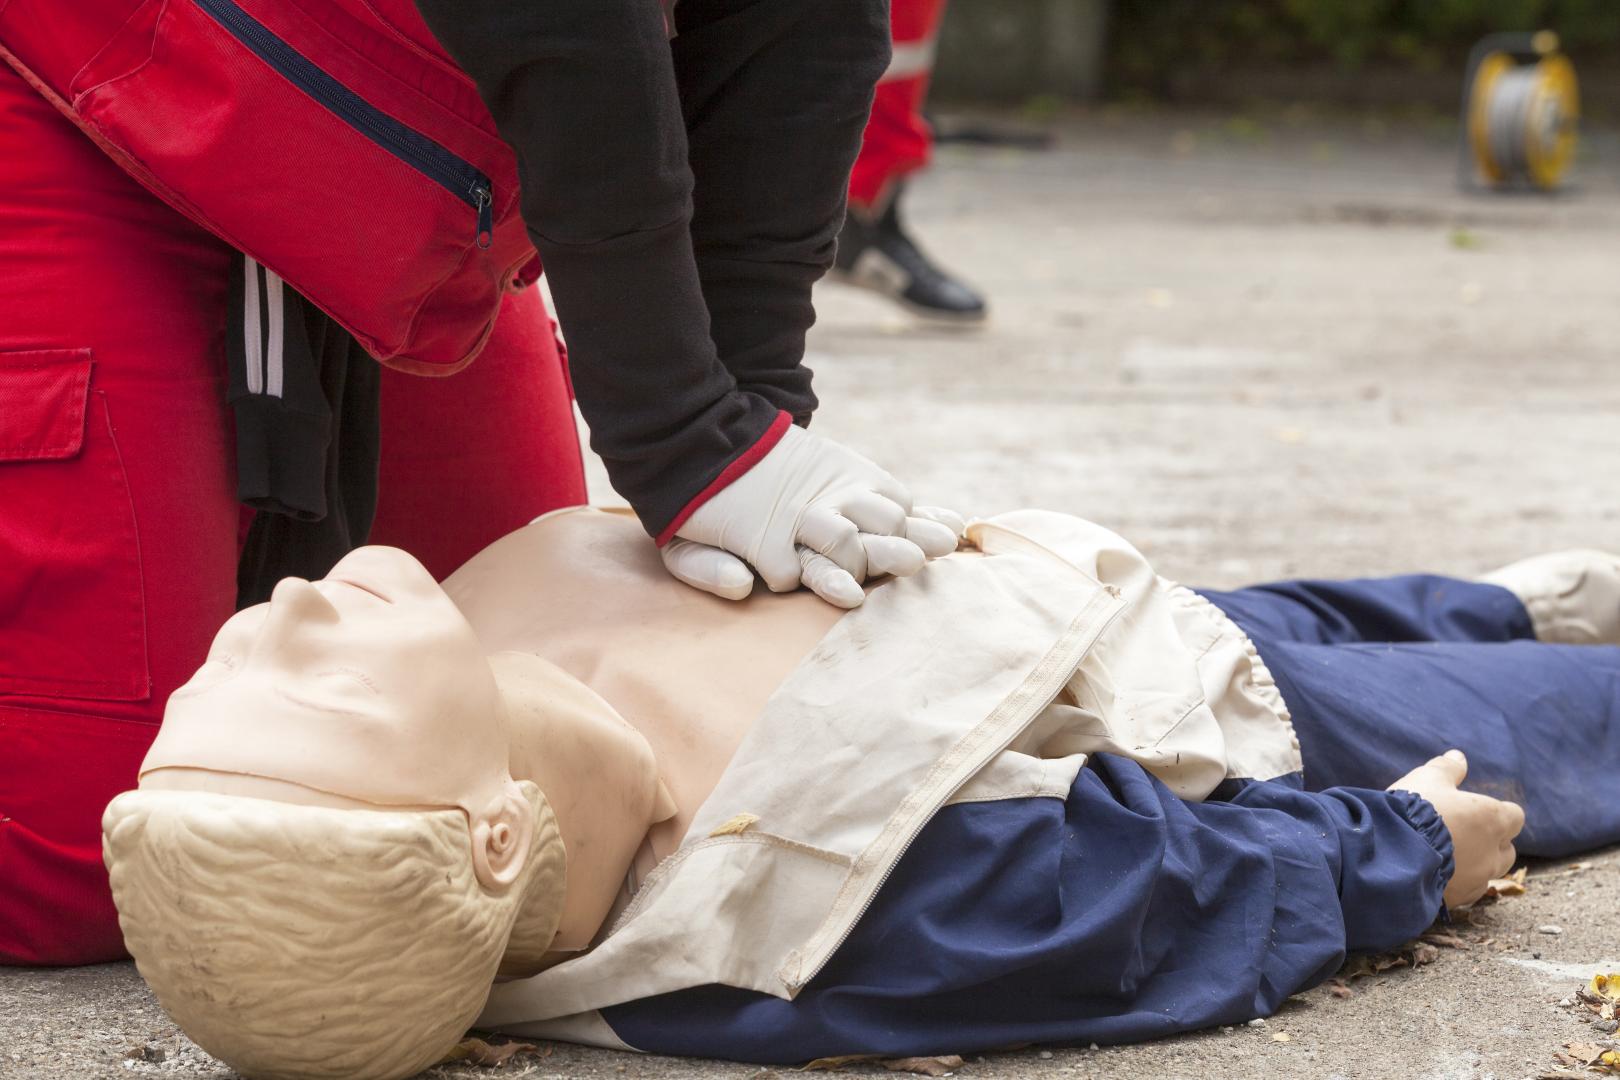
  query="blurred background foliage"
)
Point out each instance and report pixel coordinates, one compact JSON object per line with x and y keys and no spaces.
{"x":1377,"y":54}
{"x":1163,"y":49}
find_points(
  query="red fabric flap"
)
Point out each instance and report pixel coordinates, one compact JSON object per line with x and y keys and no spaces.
{"x":42,"y":399}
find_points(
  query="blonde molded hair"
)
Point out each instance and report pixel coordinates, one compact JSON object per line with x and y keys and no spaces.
{"x":303,"y":941}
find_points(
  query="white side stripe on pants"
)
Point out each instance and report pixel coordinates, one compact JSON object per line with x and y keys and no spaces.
{"x":910,"y":59}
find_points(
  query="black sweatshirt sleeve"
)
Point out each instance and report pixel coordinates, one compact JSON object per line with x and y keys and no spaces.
{"x":585,"y":92}
{"x":775,"y":95}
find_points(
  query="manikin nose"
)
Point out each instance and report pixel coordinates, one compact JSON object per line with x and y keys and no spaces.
{"x":294,"y":603}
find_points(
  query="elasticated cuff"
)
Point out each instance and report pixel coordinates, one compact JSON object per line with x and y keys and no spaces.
{"x":1426,"y":821}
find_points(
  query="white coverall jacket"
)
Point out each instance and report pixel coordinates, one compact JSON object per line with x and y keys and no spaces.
{"x":976,"y":679}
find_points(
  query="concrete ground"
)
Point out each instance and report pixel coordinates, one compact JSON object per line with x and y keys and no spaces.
{"x":1258,"y":347}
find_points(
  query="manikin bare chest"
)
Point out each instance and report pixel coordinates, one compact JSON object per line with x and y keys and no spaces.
{"x":585,"y":590}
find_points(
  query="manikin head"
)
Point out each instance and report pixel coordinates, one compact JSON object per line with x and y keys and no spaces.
{"x":322,"y":870}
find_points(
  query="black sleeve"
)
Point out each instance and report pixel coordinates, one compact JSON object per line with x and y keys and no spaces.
{"x":584,"y":91}
{"x":775,"y":96}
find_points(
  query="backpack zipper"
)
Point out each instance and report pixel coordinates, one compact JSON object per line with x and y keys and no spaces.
{"x":455,"y":174}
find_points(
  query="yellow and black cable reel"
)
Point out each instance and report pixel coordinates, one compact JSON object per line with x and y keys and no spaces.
{"x":1520,"y":108}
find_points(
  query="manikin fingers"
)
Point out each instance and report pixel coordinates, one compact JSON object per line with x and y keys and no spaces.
{"x":828,"y":580}
{"x":708,"y":568}
{"x":891,"y":555}
{"x":1512,"y":818}
{"x":1505,"y":858}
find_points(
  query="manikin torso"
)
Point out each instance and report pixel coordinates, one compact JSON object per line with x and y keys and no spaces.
{"x":585,"y":590}
{"x":623,"y":693}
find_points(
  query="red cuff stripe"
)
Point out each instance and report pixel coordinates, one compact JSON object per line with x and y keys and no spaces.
{"x":747,"y":460}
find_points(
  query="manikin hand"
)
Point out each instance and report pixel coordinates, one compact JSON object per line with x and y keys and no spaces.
{"x":1482,"y":828}
{"x":810,"y":513}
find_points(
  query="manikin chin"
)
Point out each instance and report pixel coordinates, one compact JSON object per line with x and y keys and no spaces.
{"x":346,"y":828}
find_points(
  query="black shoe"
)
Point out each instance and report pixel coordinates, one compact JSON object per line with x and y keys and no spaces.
{"x":878,"y":255}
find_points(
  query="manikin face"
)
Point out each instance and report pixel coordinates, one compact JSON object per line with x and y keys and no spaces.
{"x":376,"y":643}
{"x":368,"y":685}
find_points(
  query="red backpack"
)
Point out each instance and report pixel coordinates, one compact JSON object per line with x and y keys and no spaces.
{"x":332,"y":140}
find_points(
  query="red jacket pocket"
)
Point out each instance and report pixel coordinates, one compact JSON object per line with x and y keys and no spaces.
{"x":42,"y":398}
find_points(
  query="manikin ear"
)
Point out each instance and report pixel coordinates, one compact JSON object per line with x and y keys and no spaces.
{"x":501,"y":836}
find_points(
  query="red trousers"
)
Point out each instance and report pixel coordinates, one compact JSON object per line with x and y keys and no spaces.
{"x":118,"y":514}
{"x":898,"y":141}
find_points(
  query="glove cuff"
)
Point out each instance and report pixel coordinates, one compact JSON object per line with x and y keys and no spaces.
{"x":741,"y":464}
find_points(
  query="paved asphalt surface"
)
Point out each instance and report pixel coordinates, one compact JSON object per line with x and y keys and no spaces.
{"x":1258,"y":347}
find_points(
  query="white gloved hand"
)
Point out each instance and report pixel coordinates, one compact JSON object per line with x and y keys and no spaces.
{"x":814,"y":513}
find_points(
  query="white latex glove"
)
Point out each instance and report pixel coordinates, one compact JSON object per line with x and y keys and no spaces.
{"x":814,"y":513}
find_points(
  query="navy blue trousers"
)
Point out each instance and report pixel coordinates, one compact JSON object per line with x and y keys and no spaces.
{"x":1382,"y":674}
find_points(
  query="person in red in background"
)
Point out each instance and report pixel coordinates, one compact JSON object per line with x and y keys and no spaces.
{"x":875,"y":251}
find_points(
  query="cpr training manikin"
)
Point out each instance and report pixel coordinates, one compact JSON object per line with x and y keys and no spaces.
{"x":1027,"y":794}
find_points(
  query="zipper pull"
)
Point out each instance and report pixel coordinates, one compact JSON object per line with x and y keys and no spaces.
{"x":486,"y":217}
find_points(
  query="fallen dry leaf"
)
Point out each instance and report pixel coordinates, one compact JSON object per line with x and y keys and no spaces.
{"x":826,"y":1063}
{"x":1446,"y":940}
{"x":941,"y":1065}
{"x":1340,"y":989}
{"x":1371,"y":964}
{"x":1512,"y":885}
{"x":1600,"y":996}
{"x":1604,"y":1058}
{"x":1412,"y":954}
{"x":491,"y":1055}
